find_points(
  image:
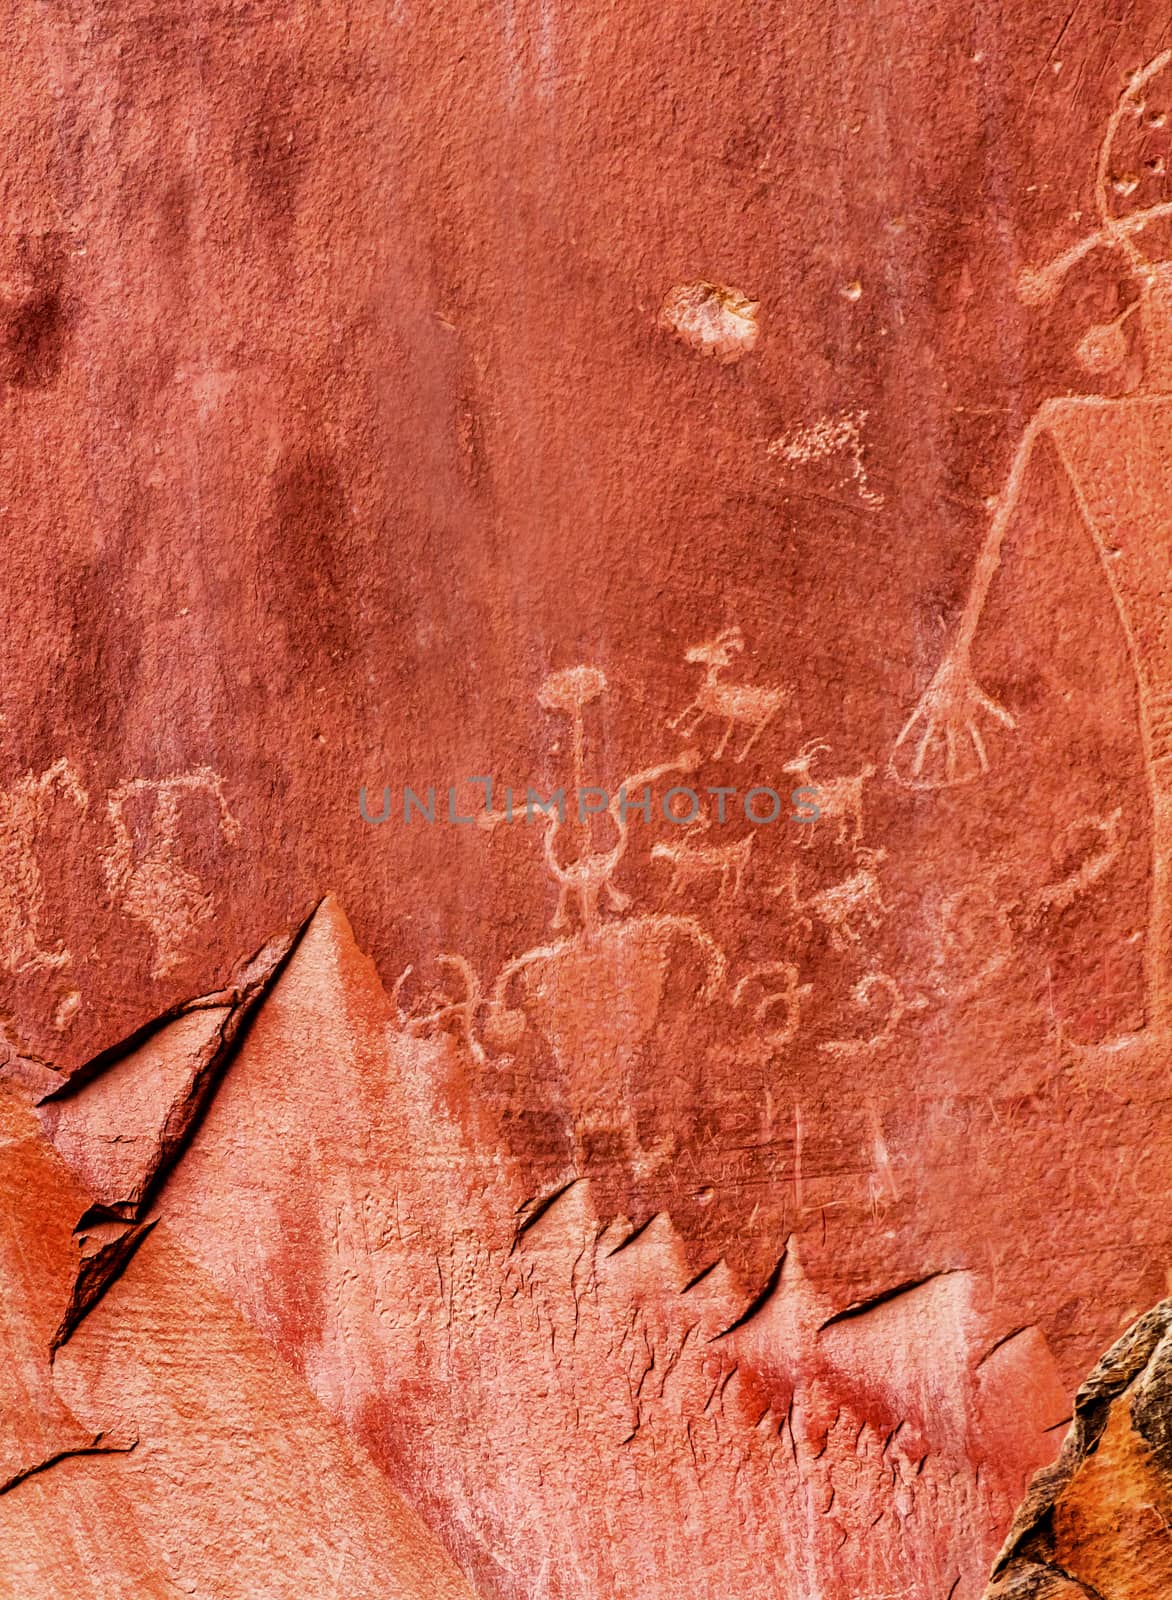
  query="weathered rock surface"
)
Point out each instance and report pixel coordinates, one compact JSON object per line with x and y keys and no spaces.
{"x":760,"y":399}
{"x":509,"y":1358}
{"x":165,"y":1449}
{"x":1098,"y":1523}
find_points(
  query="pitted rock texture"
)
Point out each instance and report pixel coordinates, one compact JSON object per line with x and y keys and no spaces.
{"x":754,"y":400}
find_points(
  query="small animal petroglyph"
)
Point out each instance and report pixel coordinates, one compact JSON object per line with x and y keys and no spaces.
{"x":845,"y":908}
{"x":857,"y":899}
{"x":830,"y":436}
{"x":693,"y":861}
{"x":717,"y":322}
{"x":24,"y":811}
{"x":751,"y":705}
{"x":141,"y":868}
{"x":840,"y":797}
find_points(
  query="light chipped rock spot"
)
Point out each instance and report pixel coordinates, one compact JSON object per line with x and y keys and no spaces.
{"x":713,"y":320}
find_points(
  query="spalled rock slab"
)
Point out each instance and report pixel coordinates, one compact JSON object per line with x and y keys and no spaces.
{"x":38,"y":1265}
{"x":116,"y":1143}
{"x":167,"y":1449}
{"x":532,"y":1375}
{"x":1098,"y":1524}
{"x":145,"y":1098}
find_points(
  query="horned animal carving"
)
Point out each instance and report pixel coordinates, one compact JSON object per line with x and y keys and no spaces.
{"x":840,"y":797}
{"x":750,"y":705}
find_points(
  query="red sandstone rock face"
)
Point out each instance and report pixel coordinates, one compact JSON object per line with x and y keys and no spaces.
{"x":492,"y":1350}
{"x":167,"y":1449}
{"x":765,"y":400}
{"x":1096,"y":1523}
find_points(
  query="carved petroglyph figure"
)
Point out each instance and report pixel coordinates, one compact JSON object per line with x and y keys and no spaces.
{"x":771,"y":998}
{"x":433,"y":1008}
{"x":593,"y":995}
{"x":595,"y":999}
{"x":24,"y":810}
{"x":142,"y":870}
{"x":857,"y":902}
{"x":844,"y":909}
{"x":977,"y":921}
{"x":875,"y":985}
{"x":840,"y":797}
{"x":640,"y":943}
{"x":693,"y":861}
{"x":589,"y":874}
{"x":586,"y":874}
{"x":1064,"y":891}
{"x":836,"y":435}
{"x":746,"y":704}
{"x":1116,"y":455}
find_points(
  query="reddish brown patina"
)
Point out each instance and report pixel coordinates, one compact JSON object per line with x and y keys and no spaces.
{"x":761,"y":405}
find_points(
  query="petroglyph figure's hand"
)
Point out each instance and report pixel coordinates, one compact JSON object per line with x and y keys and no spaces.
{"x":943,"y":741}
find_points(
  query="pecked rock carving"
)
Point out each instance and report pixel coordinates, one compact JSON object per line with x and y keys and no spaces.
{"x":1113,"y":454}
{"x":626,"y":1209}
{"x":560,"y":1335}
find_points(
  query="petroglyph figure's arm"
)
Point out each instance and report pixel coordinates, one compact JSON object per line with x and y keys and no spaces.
{"x":942,"y":743}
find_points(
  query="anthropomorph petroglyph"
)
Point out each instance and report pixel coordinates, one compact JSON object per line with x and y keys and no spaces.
{"x":746,"y":704}
{"x":1122,"y":507}
{"x":594,"y":993}
{"x":25,"y":809}
{"x":142,"y":868}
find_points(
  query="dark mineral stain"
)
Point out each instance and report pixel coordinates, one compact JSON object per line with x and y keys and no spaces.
{"x":308,"y":546}
{"x":275,"y":147}
{"x":33,"y":328}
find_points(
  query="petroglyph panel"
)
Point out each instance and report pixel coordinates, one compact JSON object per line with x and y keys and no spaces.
{"x":586,"y":791}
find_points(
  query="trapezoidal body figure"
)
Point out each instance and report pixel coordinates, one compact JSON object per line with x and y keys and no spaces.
{"x":1115,"y":454}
